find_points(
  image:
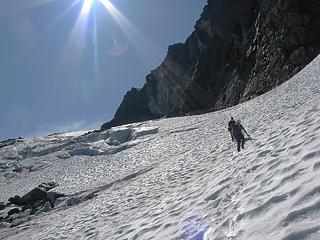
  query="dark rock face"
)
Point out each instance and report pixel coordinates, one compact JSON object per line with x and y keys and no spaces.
{"x":14,"y":200}
{"x":33,"y":196}
{"x":239,"y":50}
{"x":134,"y":108}
{"x":287,"y":39}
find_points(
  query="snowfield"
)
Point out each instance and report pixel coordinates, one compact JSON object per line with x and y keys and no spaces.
{"x":181,"y":178}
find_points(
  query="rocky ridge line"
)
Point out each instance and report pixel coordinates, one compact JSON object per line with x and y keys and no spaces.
{"x":238,"y":50}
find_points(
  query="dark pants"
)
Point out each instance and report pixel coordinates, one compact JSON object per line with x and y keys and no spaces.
{"x":240,"y":141}
{"x":230,"y":130}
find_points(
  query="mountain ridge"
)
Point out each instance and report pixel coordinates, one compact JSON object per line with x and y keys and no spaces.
{"x":238,"y":50}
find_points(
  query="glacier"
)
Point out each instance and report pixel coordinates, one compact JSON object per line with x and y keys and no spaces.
{"x":181,"y":178}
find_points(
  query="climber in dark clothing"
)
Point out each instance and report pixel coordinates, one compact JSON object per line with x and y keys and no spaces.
{"x":231,"y":123}
{"x":238,"y":135}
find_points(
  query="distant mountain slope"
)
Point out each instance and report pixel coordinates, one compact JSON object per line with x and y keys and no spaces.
{"x":238,"y":50}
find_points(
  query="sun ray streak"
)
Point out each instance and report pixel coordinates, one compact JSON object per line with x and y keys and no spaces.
{"x":69,"y":65}
{"x":132,"y":33}
{"x":95,"y":46}
{"x":62,"y":15}
{"x":86,"y":7}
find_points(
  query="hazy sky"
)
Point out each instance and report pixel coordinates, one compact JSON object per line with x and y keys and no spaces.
{"x":65,"y":66}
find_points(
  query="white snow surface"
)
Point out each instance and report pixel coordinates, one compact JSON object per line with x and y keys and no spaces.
{"x":182,"y":178}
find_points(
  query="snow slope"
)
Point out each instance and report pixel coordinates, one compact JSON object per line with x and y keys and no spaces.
{"x":182,"y":178}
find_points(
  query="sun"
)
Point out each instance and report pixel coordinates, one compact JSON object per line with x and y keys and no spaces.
{"x":86,"y":7}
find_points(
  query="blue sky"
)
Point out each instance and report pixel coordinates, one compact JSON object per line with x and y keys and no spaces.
{"x":65,"y":68}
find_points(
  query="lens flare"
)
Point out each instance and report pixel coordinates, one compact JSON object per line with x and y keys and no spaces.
{"x":136,"y":38}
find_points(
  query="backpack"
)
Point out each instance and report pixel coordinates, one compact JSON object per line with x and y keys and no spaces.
{"x":237,"y":129}
{"x":231,"y":124}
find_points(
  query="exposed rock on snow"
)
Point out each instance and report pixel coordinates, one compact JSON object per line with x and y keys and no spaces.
{"x":10,"y":142}
{"x":37,"y":194}
{"x":35,"y":202}
{"x":13,"y":211}
{"x":2,"y":205}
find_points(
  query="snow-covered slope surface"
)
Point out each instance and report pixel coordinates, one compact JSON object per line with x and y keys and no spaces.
{"x":182,"y":178}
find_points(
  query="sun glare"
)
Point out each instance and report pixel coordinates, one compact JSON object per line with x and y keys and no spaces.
{"x":108,"y":5}
{"x":86,"y":7}
{"x":86,"y":28}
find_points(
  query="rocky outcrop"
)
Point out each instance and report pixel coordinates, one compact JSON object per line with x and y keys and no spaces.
{"x":134,"y":108}
{"x":19,"y":210}
{"x":239,"y":50}
{"x":39,"y":193}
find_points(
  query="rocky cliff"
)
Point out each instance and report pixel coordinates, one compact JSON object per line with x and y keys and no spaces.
{"x":238,"y":50}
